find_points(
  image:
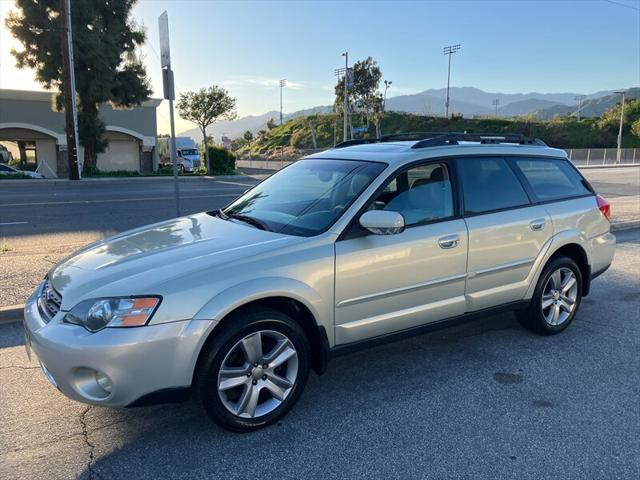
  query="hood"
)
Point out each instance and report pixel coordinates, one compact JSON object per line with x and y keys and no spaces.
{"x":137,"y":261}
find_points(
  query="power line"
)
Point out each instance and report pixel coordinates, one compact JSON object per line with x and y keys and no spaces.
{"x":620,"y":4}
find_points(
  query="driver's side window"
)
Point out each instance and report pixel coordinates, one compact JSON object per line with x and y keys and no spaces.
{"x":421,"y":194}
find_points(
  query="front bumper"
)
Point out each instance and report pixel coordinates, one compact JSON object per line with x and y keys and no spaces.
{"x":138,"y":360}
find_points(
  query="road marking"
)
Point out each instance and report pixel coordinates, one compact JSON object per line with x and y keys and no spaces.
{"x":236,"y":183}
{"x":13,"y":223}
{"x":115,"y":200}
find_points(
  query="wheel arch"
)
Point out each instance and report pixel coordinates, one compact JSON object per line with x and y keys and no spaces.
{"x":290,"y":297}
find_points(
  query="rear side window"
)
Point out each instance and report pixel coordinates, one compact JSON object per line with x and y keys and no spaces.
{"x":489,"y":184}
{"x":552,"y":179}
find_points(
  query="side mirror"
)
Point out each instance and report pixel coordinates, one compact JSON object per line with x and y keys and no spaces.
{"x":382,"y":222}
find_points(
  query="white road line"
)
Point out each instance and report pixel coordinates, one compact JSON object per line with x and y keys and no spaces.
{"x":236,"y":183}
{"x":12,"y":223}
{"x":115,"y":200}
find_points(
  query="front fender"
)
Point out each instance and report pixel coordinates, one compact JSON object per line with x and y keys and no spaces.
{"x":233,"y":297}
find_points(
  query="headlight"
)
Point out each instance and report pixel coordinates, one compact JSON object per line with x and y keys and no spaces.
{"x":97,"y":314}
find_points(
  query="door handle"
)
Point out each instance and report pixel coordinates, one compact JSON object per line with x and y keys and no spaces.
{"x":450,"y":241}
{"x":537,"y":224}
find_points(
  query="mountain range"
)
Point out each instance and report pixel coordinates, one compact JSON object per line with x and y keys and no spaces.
{"x":468,"y":101}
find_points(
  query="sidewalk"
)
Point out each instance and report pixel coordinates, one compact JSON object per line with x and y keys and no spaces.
{"x":163,"y":178}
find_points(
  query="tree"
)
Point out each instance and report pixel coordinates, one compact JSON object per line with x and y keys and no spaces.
{"x":610,"y":120}
{"x":105,"y":40}
{"x":271,"y":124}
{"x":205,"y":107}
{"x":364,"y":95}
{"x":248,"y":136}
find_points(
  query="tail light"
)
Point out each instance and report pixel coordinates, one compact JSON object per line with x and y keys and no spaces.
{"x":604,"y":207}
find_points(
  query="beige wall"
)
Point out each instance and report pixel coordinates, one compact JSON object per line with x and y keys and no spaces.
{"x":123,"y":153}
{"x":46,"y":151}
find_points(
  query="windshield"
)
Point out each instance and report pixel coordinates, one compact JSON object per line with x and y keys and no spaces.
{"x":189,"y":151}
{"x":305,"y":198}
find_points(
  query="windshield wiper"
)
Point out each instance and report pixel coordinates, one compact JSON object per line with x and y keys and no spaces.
{"x":250,"y":220}
{"x":220,"y":213}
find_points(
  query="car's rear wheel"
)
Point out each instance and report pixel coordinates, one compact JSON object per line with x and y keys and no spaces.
{"x":252,"y":374}
{"x":556,"y":299}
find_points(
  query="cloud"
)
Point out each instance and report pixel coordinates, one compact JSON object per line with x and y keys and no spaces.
{"x":265,"y":82}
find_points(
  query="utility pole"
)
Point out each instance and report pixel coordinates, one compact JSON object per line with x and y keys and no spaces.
{"x":495,"y":103}
{"x":619,"y":152}
{"x":69,"y":81}
{"x":346,"y":91}
{"x":579,"y":98}
{"x":283,"y":83}
{"x":449,"y":50}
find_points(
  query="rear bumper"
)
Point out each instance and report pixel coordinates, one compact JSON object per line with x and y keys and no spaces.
{"x":603,"y":248}
{"x":137,"y":361}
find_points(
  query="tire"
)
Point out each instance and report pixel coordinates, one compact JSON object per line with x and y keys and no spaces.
{"x":246,"y":396}
{"x":552,"y":309}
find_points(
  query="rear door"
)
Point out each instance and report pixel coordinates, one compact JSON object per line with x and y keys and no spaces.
{"x":507,"y":233}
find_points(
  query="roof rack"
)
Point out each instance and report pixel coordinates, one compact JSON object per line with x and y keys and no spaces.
{"x":454,"y":138}
{"x":437,"y":139}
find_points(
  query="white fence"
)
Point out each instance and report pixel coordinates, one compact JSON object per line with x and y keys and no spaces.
{"x":579,"y":156}
{"x":603,"y":156}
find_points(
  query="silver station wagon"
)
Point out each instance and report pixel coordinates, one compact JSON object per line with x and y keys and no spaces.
{"x":369,"y":241}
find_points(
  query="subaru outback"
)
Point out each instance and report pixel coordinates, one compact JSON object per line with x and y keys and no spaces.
{"x":366,"y":242}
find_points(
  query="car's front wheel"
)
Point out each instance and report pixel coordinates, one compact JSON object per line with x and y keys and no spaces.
{"x":254,"y":371}
{"x":556,"y":299}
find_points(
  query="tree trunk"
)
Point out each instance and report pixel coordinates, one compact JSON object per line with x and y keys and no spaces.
{"x":206,"y":149}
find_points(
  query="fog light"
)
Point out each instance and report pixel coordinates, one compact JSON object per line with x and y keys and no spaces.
{"x":104,"y":382}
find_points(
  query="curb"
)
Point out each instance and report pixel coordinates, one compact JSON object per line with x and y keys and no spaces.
{"x":592,"y":167}
{"x":619,"y":226}
{"x":11,"y":313}
{"x":164,"y":178}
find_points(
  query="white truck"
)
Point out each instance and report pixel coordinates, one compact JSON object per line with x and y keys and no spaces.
{"x":187,"y":154}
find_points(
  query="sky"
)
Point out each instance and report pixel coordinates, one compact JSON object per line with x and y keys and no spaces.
{"x":508,"y":46}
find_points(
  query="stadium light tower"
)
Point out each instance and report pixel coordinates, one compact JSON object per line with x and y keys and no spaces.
{"x":449,"y":50}
{"x":579,"y":98}
{"x":283,"y":83}
{"x":619,"y":152}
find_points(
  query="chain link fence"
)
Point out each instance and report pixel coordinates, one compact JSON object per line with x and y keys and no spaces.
{"x":581,"y":157}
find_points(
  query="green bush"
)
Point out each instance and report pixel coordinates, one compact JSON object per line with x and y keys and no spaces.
{"x":13,"y":176}
{"x":222,"y":162}
{"x":202,"y":170}
{"x":91,"y":171}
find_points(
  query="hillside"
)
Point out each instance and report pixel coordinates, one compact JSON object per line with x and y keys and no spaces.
{"x":468,"y":101}
{"x":591,"y":107}
{"x":295,"y":135}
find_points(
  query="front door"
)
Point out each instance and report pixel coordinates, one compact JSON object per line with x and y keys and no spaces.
{"x":388,"y":283}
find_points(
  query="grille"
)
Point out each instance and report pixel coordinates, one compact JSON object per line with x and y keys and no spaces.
{"x":49,"y":301}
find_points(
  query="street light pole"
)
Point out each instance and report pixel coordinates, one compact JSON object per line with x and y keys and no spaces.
{"x":619,"y":152}
{"x":346,"y":90}
{"x":283,"y":83}
{"x":449,"y":50}
{"x":387,"y":84}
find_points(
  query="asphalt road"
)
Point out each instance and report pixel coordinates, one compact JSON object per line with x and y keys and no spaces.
{"x":487,"y":400}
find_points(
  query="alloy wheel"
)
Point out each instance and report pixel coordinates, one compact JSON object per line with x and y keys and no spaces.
{"x":257,"y":374}
{"x":559,"y":296}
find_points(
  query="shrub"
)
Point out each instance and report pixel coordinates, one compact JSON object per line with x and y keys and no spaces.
{"x":222,"y":162}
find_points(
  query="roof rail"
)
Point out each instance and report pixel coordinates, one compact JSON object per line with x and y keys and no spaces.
{"x":454,"y":138}
{"x":437,"y":139}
